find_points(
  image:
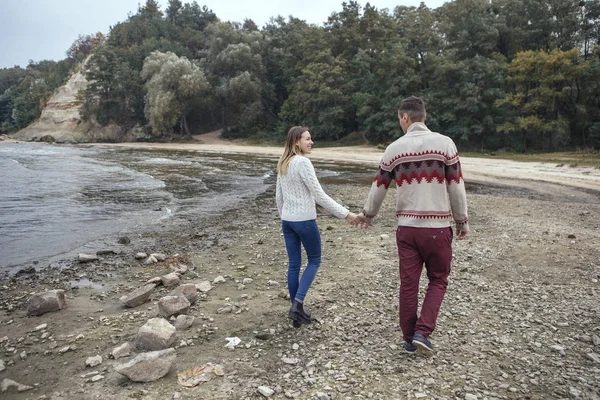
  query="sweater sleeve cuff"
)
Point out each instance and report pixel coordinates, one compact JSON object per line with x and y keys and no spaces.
{"x":366,"y":214}
{"x":462,"y":225}
{"x":340,"y":213}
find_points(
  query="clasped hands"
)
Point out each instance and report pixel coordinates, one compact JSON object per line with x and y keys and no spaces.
{"x":359,"y":221}
{"x":362,"y":221}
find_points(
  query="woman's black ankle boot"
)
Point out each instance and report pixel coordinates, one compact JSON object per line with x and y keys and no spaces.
{"x":297,"y":313}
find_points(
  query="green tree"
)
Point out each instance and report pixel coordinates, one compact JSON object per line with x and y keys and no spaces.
{"x":147,"y":23}
{"x":29,"y":103}
{"x":469,"y":26}
{"x":83,"y":46}
{"x":318,"y":98}
{"x":233,"y":61}
{"x":590,"y":26}
{"x":171,"y":83}
{"x":10,"y":79}
{"x":150,"y":10}
{"x":191,"y":21}
{"x":194,"y":17}
{"x":136,"y":54}
{"x":113,"y":91}
{"x":540,"y":24}
{"x":538,"y":85}
{"x":583,"y":103}
{"x":380,"y":82}
{"x":173,"y":11}
{"x":461,"y":101}
{"x":345,"y":30}
{"x":291,"y":46}
{"x":419,"y":29}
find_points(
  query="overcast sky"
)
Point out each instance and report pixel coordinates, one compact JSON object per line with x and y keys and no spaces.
{"x":44,"y":29}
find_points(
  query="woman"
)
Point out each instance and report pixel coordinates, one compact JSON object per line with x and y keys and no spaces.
{"x":297,"y":191}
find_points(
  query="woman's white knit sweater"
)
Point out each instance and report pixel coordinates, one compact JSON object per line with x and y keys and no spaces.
{"x":299,"y":189}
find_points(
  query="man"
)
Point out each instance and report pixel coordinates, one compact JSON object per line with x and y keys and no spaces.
{"x":430,"y":195}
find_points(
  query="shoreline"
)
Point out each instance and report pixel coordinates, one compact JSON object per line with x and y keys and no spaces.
{"x":478,"y":170}
{"x":580,"y":186}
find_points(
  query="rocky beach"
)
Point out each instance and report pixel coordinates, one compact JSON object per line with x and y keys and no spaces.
{"x":521,"y":318}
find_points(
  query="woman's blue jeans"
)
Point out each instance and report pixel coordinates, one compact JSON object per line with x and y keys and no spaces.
{"x":296,"y":235}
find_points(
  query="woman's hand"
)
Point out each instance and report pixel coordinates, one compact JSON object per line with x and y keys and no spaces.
{"x":359,"y":221}
{"x":352,"y":218}
{"x":362,"y":221}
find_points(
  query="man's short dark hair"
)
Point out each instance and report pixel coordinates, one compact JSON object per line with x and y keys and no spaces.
{"x":414,"y":107}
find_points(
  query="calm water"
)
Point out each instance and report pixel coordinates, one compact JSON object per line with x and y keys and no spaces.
{"x":54,"y":200}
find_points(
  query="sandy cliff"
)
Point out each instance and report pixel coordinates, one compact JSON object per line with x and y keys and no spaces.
{"x":61,"y":120}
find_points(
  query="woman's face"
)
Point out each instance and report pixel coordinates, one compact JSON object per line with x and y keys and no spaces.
{"x":305,"y":143}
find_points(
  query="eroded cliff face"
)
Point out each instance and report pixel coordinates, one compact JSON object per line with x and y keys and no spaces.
{"x":60,"y":120}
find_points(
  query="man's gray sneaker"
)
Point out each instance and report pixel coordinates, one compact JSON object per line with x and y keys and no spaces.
{"x":422,"y":342}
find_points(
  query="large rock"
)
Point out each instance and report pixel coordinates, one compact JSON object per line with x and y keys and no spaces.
{"x":93,"y":361}
{"x":156,"y":334}
{"x":204,"y":286}
{"x":8,"y":385}
{"x":184,"y":322}
{"x":138,"y":297}
{"x":266,"y":391}
{"x":150,"y":260}
{"x":170,"y":280}
{"x":121,"y":351}
{"x":179,"y":268}
{"x":148,"y":367}
{"x":41,"y":303}
{"x":83,"y":258}
{"x":47,"y":139}
{"x":188,"y":290}
{"x":173,"y":305}
{"x":159,"y":256}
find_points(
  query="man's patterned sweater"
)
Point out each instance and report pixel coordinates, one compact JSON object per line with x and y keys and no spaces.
{"x":430,"y":188}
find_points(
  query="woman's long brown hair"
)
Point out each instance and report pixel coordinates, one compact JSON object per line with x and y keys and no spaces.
{"x":291,"y":148}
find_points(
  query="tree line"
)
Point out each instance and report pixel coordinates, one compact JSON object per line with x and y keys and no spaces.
{"x":518,"y":75}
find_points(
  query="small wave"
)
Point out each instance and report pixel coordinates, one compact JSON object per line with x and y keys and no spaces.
{"x":327,"y":173}
{"x":194,"y":183}
{"x":168,"y":213}
{"x":166,"y":161}
{"x":185,"y":178}
{"x":33,"y":150}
